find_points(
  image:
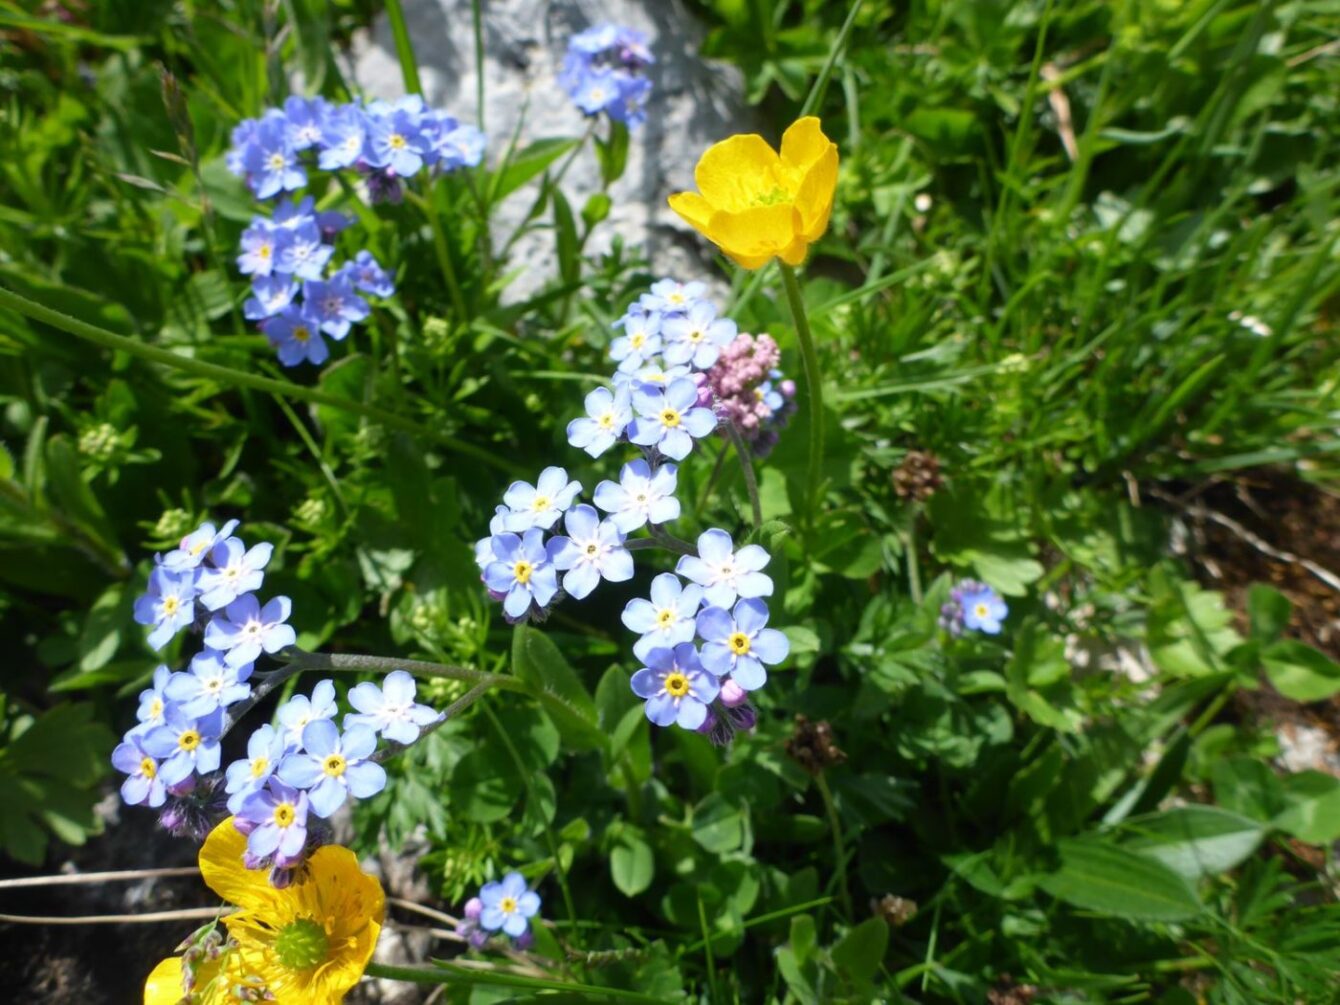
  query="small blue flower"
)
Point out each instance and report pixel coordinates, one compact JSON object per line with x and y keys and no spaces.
{"x":168,"y":605}
{"x":592,"y":551}
{"x":306,"y":120}
{"x":639,"y":343}
{"x":271,"y":163}
{"x":630,"y":102}
{"x":541,"y":504}
{"x":390,"y":709}
{"x":290,"y":214}
{"x":298,"y":711}
{"x":331,"y":767}
{"x":597,"y":90}
{"x":508,"y":905}
{"x":266,"y":748}
{"x":274,"y":818}
{"x":144,"y":783}
{"x":667,"y":619}
{"x":335,"y":304}
{"x":365,"y":274}
{"x":723,"y":573}
{"x":153,"y":701}
{"x":210,"y":685}
{"x":523,"y":571}
{"x":196,"y":546}
{"x":304,"y":254}
{"x":698,"y":337}
{"x":342,"y":138}
{"x":396,"y":141}
{"x":460,"y":147}
{"x":676,"y":687}
{"x":670,"y":420}
{"x":484,"y":546}
{"x":608,"y":415}
{"x":640,"y":497}
{"x":184,"y":745}
{"x":652,"y":375}
{"x":296,"y":333}
{"x":270,"y":295}
{"x":670,"y":296}
{"x":234,"y":570}
{"x":241,"y":140}
{"x":738,"y":643}
{"x":245,"y":629}
{"x":983,"y":608}
{"x":262,"y":244}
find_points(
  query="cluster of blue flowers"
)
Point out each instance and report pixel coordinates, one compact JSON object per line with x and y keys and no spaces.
{"x":973,"y":605}
{"x":602,"y":72}
{"x":298,"y":296}
{"x":506,"y":906}
{"x":171,"y":757}
{"x":661,"y":401}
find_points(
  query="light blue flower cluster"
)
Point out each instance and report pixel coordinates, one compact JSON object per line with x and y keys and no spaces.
{"x":209,"y":580}
{"x":973,"y":605}
{"x":506,"y":906}
{"x":297,"y":297}
{"x":602,"y":72}
{"x":307,"y":766}
{"x":661,"y":401}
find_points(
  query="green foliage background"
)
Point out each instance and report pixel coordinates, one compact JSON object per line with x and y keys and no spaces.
{"x":1062,"y":329}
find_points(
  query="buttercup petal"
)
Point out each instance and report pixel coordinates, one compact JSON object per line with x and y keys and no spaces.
{"x":737,"y":172}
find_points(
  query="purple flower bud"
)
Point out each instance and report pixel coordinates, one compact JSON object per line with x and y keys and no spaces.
{"x":183,"y":788}
{"x":788,"y":388}
{"x":473,"y":907}
{"x":478,"y":938}
{"x":281,"y":878}
{"x":733,"y":695}
{"x":743,"y":717}
{"x":525,"y":940}
{"x":708,"y":724}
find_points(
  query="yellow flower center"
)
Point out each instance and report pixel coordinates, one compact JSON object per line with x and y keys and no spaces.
{"x":669,"y":418}
{"x":980,"y":610}
{"x":739,"y":643}
{"x":302,"y":944}
{"x":676,"y":298}
{"x":148,"y":768}
{"x":334,"y":765}
{"x":264,"y":251}
{"x":214,"y":684}
{"x":606,"y":421}
{"x":665,"y":618}
{"x":189,"y":740}
{"x":156,"y":708}
{"x":396,"y":142}
{"x":284,"y":815}
{"x":277,"y":161}
{"x":593,"y":549}
{"x":540,"y":503}
{"x":507,"y":905}
{"x":636,"y":340}
{"x":170,"y":604}
{"x":521,"y":572}
{"x":301,"y":333}
{"x":259,"y":765}
{"x":676,"y":684}
{"x":696,"y":335}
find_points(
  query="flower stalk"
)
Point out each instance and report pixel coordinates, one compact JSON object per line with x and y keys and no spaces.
{"x":813,"y":384}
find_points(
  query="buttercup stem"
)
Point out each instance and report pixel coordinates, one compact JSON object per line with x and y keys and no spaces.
{"x":747,"y":466}
{"x":839,"y":847}
{"x":812,"y":382}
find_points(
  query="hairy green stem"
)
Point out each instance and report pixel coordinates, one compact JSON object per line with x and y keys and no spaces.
{"x":445,"y":973}
{"x":239,"y":378}
{"x":667,"y":540}
{"x":303,"y":660}
{"x":813,"y":384}
{"x":747,"y":467}
{"x":839,"y":846}
{"x":450,"y":712}
{"x":443,"y":253}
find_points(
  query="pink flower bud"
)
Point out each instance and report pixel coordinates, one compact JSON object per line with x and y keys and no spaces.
{"x":473,"y":908}
{"x":733,"y":695}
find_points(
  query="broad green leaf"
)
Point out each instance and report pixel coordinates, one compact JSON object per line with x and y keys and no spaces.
{"x":1300,"y":672}
{"x":1123,"y":884}
{"x":632,"y":866}
{"x":527,"y":164}
{"x":1312,"y":813}
{"x":537,"y":661}
{"x":1195,"y":841}
{"x":1268,"y":610}
{"x":860,"y":952}
{"x":717,"y":825}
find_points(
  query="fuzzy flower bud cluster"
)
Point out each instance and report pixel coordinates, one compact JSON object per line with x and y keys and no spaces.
{"x":749,"y":390}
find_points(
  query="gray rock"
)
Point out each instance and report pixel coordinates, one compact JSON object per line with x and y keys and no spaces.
{"x":693,"y":104}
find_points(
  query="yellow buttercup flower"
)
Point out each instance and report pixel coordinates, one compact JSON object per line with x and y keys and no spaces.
{"x":309,"y":942}
{"x":756,"y":205}
{"x":306,"y":944}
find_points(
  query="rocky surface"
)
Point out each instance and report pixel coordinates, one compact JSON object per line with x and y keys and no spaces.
{"x":693,"y":103}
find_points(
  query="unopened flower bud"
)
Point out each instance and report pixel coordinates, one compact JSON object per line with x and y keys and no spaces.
{"x":732,"y":695}
{"x":473,"y":908}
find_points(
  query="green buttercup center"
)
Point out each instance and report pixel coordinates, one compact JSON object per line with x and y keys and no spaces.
{"x":775,"y":197}
{"x":301,"y":944}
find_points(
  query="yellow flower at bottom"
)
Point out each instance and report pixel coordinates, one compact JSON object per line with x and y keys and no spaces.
{"x":756,"y":205}
{"x":306,"y":944}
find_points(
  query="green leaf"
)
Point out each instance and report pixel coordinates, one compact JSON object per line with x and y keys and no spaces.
{"x":861,"y":951}
{"x":632,"y":866}
{"x":568,"y":248}
{"x":1120,"y":883}
{"x":1300,"y":672}
{"x":537,"y":661}
{"x":1195,"y":841}
{"x":717,"y":825}
{"x":527,"y":164}
{"x":597,"y":208}
{"x":1268,"y":611}
{"x":1037,"y":680}
{"x":6,"y":462}
{"x":613,"y":153}
{"x":1313,"y":810}
{"x":484,"y":785}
